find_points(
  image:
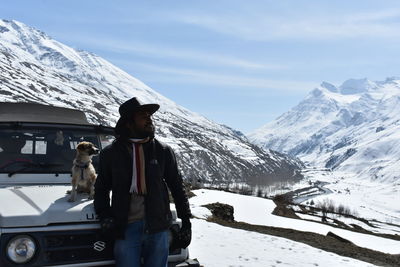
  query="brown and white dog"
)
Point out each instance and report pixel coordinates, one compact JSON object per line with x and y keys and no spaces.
{"x":83,"y":173}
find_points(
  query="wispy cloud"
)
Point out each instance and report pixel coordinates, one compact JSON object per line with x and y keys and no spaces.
{"x":198,"y":56}
{"x":265,"y":27}
{"x":185,"y":55}
{"x":191,"y":76}
{"x":379,"y":15}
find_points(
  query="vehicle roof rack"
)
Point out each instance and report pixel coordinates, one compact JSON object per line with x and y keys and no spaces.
{"x":33,"y":112}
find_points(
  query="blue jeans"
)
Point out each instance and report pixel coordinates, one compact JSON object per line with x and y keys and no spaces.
{"x":138,"y":246}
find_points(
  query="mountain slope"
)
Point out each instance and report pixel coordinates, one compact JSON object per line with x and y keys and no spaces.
{"x":354,"y":127}
{"x":36,"y":68}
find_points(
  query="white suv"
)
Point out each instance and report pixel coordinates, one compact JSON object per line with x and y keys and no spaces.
{"x":38,"y":226}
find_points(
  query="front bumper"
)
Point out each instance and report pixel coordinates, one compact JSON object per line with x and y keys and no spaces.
{"x":71,"y":245}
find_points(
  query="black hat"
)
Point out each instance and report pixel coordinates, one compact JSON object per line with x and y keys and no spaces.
{"x":133,"y":105}
{"x":128,"y":108}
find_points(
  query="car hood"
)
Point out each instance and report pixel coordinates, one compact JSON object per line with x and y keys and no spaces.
{"x":42,"y":205}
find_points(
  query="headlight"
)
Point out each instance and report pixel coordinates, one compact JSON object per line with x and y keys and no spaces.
{"x":21,"y":248}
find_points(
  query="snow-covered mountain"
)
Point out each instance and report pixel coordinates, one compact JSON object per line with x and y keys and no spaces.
{"x":36,"y":68}
{"x":354,"y":127}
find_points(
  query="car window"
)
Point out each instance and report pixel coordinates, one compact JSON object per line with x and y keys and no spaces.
{"x":43,"y":150}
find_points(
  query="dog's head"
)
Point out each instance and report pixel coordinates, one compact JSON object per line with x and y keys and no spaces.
{"x":87,"y":148}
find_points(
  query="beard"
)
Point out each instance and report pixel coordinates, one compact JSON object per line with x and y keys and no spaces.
{"x":147,"y":130}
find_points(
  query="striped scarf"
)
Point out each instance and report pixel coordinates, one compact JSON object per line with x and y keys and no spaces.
{"x":138,"y":184}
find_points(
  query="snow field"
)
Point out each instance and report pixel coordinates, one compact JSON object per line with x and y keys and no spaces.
{"x":254,"y":210}
{"x":215,"y":245}
{"x":369,"y":199}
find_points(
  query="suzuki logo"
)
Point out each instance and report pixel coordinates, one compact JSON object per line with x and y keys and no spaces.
{"x":99,"y":246}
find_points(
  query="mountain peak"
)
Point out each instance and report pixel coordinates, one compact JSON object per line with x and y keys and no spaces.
{"x":392,"y":79}
{"x":356,"y":86}
{"x":330,"y":87}
{"x":21,"y":28}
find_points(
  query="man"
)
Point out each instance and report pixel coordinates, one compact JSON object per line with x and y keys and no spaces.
{"x":136,"y":168}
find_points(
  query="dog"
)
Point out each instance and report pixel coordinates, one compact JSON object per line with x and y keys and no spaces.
{"x":83,"y":173}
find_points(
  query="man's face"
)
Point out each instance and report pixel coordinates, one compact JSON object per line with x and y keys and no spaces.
{"x":142,"y":124}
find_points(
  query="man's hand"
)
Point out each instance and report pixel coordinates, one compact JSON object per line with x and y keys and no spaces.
{"x":107,"y":227}
{"x":182,"y":238}
{"x":185,"y":234}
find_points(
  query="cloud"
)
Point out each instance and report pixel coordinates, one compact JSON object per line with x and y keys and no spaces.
{"x":379,"y":15}
{"x":267,"y":27}
{"x":199,"y":56}
{"x":191,"y":76}
{"x":193,"y":56}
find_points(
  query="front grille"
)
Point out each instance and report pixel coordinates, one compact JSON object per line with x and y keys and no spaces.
{"x":77,"y":239}
{"x":79,"y":246}
{"x":64,"y":247}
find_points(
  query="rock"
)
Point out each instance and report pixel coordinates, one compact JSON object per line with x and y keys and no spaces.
{"x":221,"y":211}
{"x":285,"y":211}
{"x":341,"y":239}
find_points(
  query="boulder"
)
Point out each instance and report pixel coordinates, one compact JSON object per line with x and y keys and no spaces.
{"x":221,"y":211}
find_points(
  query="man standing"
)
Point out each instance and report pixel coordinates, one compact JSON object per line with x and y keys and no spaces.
{"x":137,"y":168}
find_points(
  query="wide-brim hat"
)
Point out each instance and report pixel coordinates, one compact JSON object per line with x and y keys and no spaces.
{"x":131,"y":106}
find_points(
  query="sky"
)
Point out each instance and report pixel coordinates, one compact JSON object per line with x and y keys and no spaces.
{"x":239,"y":63}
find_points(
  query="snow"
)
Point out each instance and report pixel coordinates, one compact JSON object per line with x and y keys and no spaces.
{"x":258,"y":211}
{"x":356,"y":86}
{"x":348,"y":99}
{"x":360,"y":116}
{"x":240,"y":149}
{"x":372,"y":200}
{"x":215,"y":245}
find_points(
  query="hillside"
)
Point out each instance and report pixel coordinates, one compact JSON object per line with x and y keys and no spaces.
{"x":36,"y":68}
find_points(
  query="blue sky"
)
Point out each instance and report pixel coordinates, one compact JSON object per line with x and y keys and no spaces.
{"x":240,"y":63}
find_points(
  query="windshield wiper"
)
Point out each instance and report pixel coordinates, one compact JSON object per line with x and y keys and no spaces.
{"x":28,"y":164}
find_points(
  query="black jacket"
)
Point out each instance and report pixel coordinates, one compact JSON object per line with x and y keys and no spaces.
{"x":115,"y":174}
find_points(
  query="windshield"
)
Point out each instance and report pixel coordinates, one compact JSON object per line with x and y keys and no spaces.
{"x":44,"y":150}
